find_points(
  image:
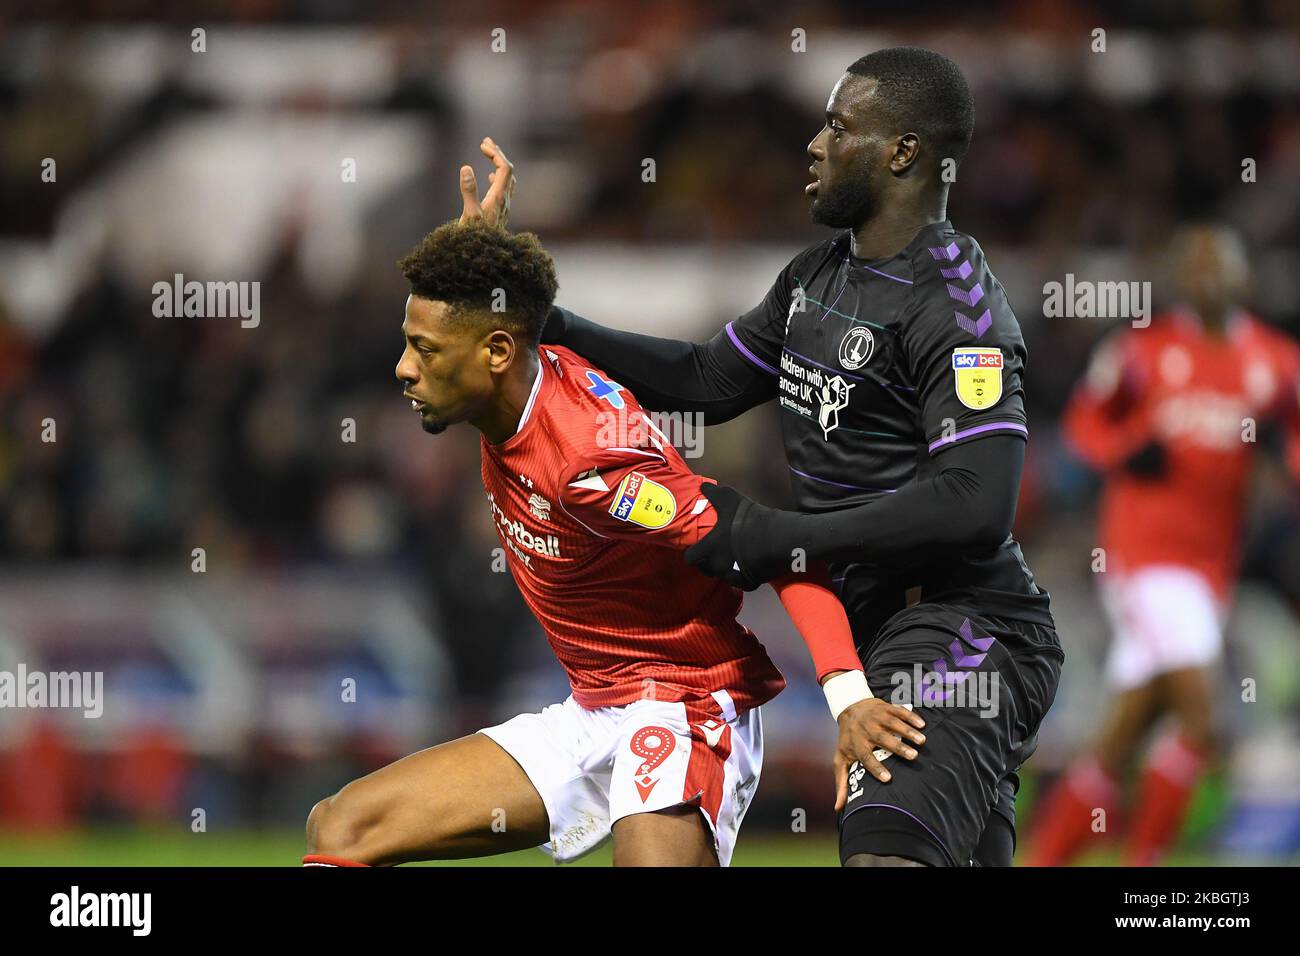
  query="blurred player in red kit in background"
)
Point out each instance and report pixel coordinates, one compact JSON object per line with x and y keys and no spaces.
{"x":1169,"y":414}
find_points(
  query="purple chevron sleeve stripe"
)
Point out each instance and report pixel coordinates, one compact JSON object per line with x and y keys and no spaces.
{"x":979,"y":430}
{"x":967,"y":635}
{"x":976,"y":327}
{"x":949,"y":252}
{"x":962,"y":272}
{"x":964,"y":660}
{"x":731,"y":334}
{"x":969,"y":298}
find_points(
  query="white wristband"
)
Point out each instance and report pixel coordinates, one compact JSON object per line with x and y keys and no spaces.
{"x":844,"y":690}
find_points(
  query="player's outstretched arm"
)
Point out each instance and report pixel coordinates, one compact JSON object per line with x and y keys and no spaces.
{"x":969,"y":504}
{"x":710,"y":379}
{"x":731,"y":373}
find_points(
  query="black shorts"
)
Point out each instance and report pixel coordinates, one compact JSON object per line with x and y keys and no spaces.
{"x":983,"y":685}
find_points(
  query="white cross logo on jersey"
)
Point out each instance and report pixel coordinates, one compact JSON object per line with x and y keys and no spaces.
{"x":834,"y":396}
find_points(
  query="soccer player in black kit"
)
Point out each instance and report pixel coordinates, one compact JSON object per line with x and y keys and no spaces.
{"x":897,"y":364}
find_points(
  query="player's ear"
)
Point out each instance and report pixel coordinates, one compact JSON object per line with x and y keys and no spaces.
{"x":501,"y":350}
{"x":906,"y":149}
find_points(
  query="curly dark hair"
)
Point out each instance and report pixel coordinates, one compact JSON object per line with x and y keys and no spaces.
{"x":487,"y":275}
{"x":924,"y":92}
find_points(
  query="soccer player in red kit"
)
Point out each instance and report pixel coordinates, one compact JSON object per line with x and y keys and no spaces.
{"x":660,"y":744}
{"x":1169,"y":415}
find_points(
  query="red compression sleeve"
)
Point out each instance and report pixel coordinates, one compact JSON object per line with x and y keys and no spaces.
{"x":810,"y":601}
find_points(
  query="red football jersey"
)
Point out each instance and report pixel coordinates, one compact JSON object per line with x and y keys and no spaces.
{"x":595,"y":506}
{"x":1205,"y":398}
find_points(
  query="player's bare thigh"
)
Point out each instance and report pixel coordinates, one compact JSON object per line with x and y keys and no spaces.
{"x":460,"y":799}
{"x":1128,"y":717}
{"x":1189,"y":693}
{"x":675,"y":836}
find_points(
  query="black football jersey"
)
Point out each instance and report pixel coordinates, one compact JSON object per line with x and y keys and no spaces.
{"x":880,"y":366}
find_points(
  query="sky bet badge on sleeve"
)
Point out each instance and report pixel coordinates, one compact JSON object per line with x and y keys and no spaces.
{"x":644,"y":502}
{"x":979,"y":376}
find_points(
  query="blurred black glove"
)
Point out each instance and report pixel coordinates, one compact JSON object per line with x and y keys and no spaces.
{"x":557,"y":325}
{"x":1149,"y":461}
{"x":747,"y":547}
